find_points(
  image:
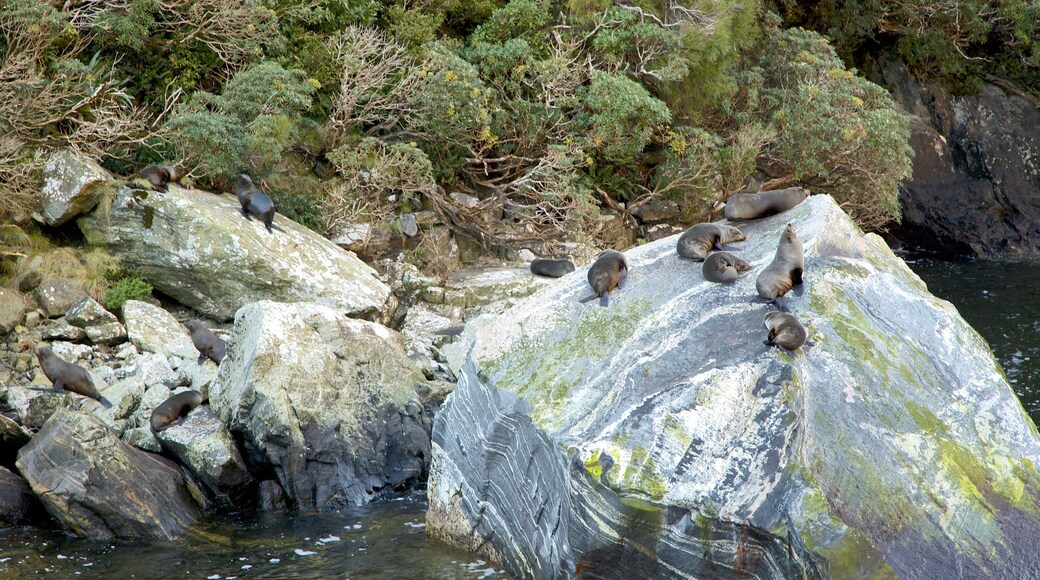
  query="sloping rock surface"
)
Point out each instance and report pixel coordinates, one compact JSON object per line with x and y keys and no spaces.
{"x":328,"y":401}
{"x":98,"y":487}
{"x":196,"y":247}
{"x":661,"y":434}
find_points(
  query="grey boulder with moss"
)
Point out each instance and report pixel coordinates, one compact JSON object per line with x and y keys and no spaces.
{"x":329,"y":402}
{"x":70,"y":187}
{"x":98,"y":487}
{"x":197,"y":247}
{"x":660,"y":437}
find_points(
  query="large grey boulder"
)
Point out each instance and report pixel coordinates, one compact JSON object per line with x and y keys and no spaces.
{"x":70,"y":187}
{"x":153,"y":329}
{"x":56,"y":295}
{"x":98,"y":487}
{"x":88,"y":312}
{"x":328,"y":401}
{"x":197,"y":248}
{"x":12,"y":309}
{"x":206,"y":448}
{"x":659,"y":436}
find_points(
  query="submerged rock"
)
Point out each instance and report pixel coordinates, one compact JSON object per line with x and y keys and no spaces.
{"x":197,"y":248}
{"x":660,"y":435}
{"x":327,"y":401}
{"x":98,"y":487}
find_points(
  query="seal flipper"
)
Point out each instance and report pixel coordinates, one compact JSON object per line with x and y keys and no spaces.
{"x":622,"y":277}
{"x":780,"y":305}
{"x":589,"y":298}
{"x":604,"y":299}
{"x":796,"y":277}
{"x":104,"y":401}
{"x":202,"y":359}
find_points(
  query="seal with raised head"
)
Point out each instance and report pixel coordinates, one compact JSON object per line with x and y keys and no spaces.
{"x":608,"y":272}
{"x":749,"y":206}
{"x":696,"y":242}
{"x":68,"y":376}
{"x":785,"y":271}
{"x":785,"y":331}
{"x":207,"y":343}
{"x":551,"y":268}
{"x":723,"y":267}
{"x":255,"y":203}
{"x":174,"y":408}
{"x":161,"y":175}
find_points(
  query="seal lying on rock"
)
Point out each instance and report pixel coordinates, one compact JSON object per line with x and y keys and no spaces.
{"x":254,"y":202}
{"x":174,"y":408}
{"x":608,"y":272}
{"x":207,"y":343}
{"x":723,"y":267}
{"x":68,"y":376}
{"x":749,"y":206}
{"x":551,"y":268}
{"x":785,"y":271}
{"x":784,"y":331}
{"x":696,"y":242}
{"x":160,"y":175}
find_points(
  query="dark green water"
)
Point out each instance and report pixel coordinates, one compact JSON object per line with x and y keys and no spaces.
{"x":1001,"y":300}
{"x":382,"y":540}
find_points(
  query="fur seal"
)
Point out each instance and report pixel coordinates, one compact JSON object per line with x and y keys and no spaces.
{"x":174,"y":408}
{"x":551,"y":268}
{"x":784,"y":331}
{"x":785,"y":271}
{"x":254,"y":202}
{"x":696,"y":242}
{"x":749,"y":206}
{"x":207,"y":343}
{"x":160,"y":175}
{"x":608,"y":272}
{"x":723,"y":267}
{"x":68,"y":376}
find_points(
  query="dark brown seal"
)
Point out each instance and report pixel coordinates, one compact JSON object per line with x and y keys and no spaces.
{"x":696,"y":242}
{"x":173,"y":409}
{"x":551,"y":268}
{"x":723,"y":267}
{"x":207,"y":343}
{"x":254,"y":202}
{"x":749,"y":206}
{"x":784,"y":331}
{"x":161,"y":175}
{"x":785,"y":271}
{"x":608,"y":272}
{"x":68,"y":376}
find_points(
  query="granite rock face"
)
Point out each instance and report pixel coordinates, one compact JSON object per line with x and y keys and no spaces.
{"x":660,"y":433}
{"x":98,"y":487}
{"x":197,"y":248}
{"x":205,"y":447}
{"x":327,"y":401}
{"x":69,"y":187}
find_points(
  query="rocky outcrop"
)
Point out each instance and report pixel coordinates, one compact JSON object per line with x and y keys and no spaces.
{"x":327,"y":401}
{"x":12,"y":438}
{"x":70,"y":187}
{"x":205,"y":447}
{"x":660,"y":437}
{"x":17,"y":502}
{"x":197,"y":248}
{"x":98,"y":487}
{"x":152,"y":329}
{"x":976,"y":181}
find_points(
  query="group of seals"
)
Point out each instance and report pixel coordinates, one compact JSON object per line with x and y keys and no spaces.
{"x":174,"y":408}
{"x":749,"y":206}
{"x":608,"y":272}
{"x":68,"y":376}
{"x":697,"y":242}
{"x":551,"y":268}
{"x":161,"y":175}
{"x":255,"y":203}
{"x":207,"y":343}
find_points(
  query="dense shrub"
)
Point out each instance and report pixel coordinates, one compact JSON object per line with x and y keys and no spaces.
{"x":126,"y":287}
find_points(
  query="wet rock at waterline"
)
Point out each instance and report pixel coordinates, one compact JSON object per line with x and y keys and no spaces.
{"x":17,"y":502}
{"x":98,"y":487}
{"x":202,"y":444}
{"x":327,"y":401}
{"x":602,"y":439}
{"x":197,"y":248}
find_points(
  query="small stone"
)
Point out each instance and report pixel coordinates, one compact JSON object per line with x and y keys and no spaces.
{"x":62,"y":330}
{"x":111,"y":333}
{"x":527,"y":255}
{"x":12,"y":309}
{"x":142,"y":438}
{"x":32,"y":319}
{"x":464,"y":199}
{"x":657,"y":211}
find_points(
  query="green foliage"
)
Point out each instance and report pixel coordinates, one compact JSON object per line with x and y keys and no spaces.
{"x":834,"y":130}
{"x":256,"y":119}
{"x":300,"y":207}
{"x":125,"y":286}
{"x":623,"y":117}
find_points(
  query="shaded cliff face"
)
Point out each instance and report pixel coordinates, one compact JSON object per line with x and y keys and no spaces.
{"x":976,"y":184}
{"x":660,"y":434}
